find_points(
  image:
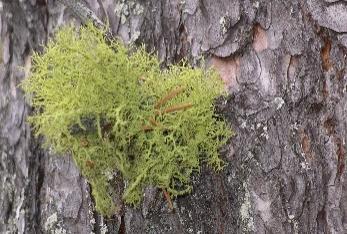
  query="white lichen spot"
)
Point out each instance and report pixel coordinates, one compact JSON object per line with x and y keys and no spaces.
{"x":126,"y":10}
{"x":279,"y":102}
{"x":265,"y":128}
{"x":295,"y":226}
{"x":253,"y":127}
{"x":249,"y":156}
{"x":265,"y":133}
{"x":1,"y":6}
{"x":109,"y":175}
{"x":118,"y":9}
{"x":103,"y":229}
{"x":304,"y":165}
{"x":246,"y":211}
{"x":122,"y":10}
{"x":60,"y":230}
{"x":189,"y":214}
{"x":256,"y":4}
{"x":138,"y":10}
{"x":243,"y":124}
{"x":51,"y":221}
{"x":223,"y":21}
{"x":295,"y":126}
{"x":50,"y":150}
{"x":292,"y":220}
{"x":92,"y":221}
{"x":20,"y":213}
{"x":53,"y":226}
{"x":135,"y":36}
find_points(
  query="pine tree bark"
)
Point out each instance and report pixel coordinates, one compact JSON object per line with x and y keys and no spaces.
{"x":284,"y":64}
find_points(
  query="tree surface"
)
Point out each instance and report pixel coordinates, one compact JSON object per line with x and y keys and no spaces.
{"x":284,"y":64}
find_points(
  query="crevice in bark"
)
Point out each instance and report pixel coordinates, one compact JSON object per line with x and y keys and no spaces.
{"x":8,"y":212}
{"x":33,"y":191}
{"x":122,"y":226}
{"x":96,"y":216}
{"x":321,"y":220}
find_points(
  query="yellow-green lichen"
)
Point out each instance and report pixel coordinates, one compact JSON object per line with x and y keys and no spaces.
{"x":116,"y":110}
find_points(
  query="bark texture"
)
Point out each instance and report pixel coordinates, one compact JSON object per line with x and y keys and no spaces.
{"x":284,"y":63}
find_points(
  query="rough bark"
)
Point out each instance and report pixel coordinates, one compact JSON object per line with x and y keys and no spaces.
{"x":284,"y":65}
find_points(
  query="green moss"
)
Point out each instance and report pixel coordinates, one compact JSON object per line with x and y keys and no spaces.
{"x":116,"y":110}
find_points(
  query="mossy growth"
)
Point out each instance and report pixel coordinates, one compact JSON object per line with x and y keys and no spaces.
{"x":116,"y":110}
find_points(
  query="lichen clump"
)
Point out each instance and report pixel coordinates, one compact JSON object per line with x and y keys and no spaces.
{"x":116,"y":110}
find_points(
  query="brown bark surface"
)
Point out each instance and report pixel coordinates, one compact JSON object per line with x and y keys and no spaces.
{"x":284,"y":63}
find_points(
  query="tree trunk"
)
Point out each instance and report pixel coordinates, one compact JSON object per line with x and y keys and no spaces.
{"x":284,"y":65}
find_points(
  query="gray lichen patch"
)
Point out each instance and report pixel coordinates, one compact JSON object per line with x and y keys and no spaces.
{"x":138,"y":9}
{"x":52,"y":225}
{"x":246,"y":212}
{"x":124,"y":9}
{"x":51,"y":221}
{"x":225,"y":24}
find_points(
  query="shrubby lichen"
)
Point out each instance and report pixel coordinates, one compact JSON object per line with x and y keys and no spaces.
{"x":117,"y":110}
